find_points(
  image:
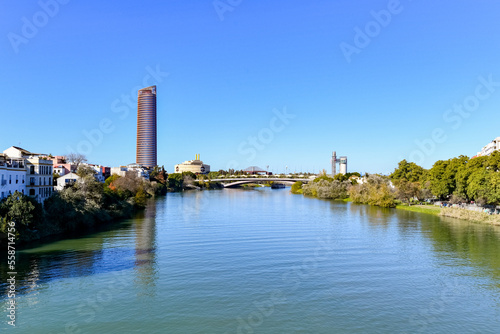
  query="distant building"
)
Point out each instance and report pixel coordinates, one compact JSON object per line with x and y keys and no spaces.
{"x":37,"y":173}
{"x":342,"y":161}
{"x":195,"y":166}
{"x":139,"y":170}
{"x":12,"y":175}
{"x":494,"y":145}
{"x":68,"y":179}
{"x":61,"y":166}
{"x":254,"y":170}
{"x":146,"y":151}
{"x":101,"y":172}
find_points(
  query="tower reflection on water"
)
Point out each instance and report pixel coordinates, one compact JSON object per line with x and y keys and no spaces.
{"x":145,"y":269}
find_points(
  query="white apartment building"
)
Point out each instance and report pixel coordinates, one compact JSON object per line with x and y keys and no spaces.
{"x":131,"y":168}
{"x":494,"y":145}
{"x":36,"y":172}
{"x":12,"y":175}
{"x":65,"y":180}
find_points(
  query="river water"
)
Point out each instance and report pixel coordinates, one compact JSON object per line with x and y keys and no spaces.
{"x":263,"y":261}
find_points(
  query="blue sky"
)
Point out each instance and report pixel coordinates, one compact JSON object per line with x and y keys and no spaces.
{"x":223,"y":74}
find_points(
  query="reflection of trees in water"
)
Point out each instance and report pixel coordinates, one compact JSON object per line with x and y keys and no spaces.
{"x":372,"y":215}
{"x":479,"y":244}
{"x":145,"y":250}
{"x":36,"y":268}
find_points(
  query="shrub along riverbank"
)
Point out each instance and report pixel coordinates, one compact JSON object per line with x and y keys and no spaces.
{"x":375,"y":191}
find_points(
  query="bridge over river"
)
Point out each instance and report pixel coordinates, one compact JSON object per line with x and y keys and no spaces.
{"x":234,"y":182}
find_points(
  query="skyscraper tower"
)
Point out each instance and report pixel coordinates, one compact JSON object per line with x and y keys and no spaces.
{"x":334,"y":163}
{"x":342,"y":161}
{"x":146,"y":127}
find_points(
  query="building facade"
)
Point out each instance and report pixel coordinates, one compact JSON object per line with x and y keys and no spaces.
{"x":61,"y":166}
{"x":66,"y":180}
{"x":12,"y":175}
{"x":39,"y":177}
{"x":494,"y":145}
{"x":31,"y":173}
{"x":195,"y":166}
{"x":136,"y":169}
{"x":146,"y":149}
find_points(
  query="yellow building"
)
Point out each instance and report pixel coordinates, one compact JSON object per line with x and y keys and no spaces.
{"x":195,"y":166}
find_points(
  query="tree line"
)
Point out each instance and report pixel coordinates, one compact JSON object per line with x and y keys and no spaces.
{"x":79,"y":206}
{"x":457,"y":180}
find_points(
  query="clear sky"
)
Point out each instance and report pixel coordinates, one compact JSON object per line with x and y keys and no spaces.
{"x":369,"y":79}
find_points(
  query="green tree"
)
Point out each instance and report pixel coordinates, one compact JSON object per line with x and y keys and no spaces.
{"x":297,"y":187}
{"x":493,"y":161}
{"x":408,"y":171}
{"x":463,"y":174}
{"x":175,"y":181}
{"x":477,"y":186}
{"x":443,"y":176}
{"x":409,"y":178}
{"x":25,"y":211}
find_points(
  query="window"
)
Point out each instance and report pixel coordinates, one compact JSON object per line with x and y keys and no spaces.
{"x":22,"y":191}
{"x":32,"y":169}
{"x":10,"y":179}
{"x":23,"y":179}
{"x":32,"y":192}
{"x":17,"y":179}
{"x":3,"y":194}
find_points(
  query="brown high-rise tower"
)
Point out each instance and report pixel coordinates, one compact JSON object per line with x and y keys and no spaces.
{"x":146,"y":127}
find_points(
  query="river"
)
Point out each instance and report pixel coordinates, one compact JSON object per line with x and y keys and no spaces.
{"x":262,"y":261}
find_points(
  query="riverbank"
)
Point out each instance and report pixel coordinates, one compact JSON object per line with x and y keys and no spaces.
{"x":472,"y":216}
{"x":77,"y":209}
{"x":430,"y":209}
